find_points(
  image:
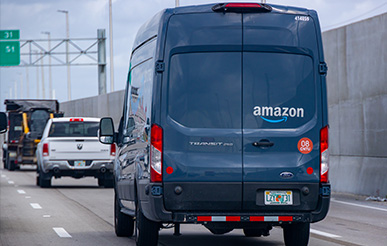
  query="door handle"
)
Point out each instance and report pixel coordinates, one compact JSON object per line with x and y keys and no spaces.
{"x":264,"y":143}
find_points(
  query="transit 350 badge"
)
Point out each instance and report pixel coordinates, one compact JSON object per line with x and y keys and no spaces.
{"x":305,"y":145}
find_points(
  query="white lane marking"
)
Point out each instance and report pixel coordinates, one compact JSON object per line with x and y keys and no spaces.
{"x":35,"y":205}
{"x":11,"y":182}
{"x":21,"y":191}
{"x":46,"y":216}
{"x":324,"y":234}
{"x":358,"y":205}
{"x":3,"y":176}
{"x":28,"y":197}
{"x":61,"y":232}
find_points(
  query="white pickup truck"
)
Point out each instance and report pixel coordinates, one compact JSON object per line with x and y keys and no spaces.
{"x":70,"y":147}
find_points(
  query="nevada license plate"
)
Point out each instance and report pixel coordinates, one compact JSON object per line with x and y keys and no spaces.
{"x":79,"y":163}
{"x":275,"y":197}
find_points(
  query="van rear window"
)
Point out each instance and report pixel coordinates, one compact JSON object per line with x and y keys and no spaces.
{"x":204,"y":89}
{"x":74,"y":129}
{"x":279,"y":90}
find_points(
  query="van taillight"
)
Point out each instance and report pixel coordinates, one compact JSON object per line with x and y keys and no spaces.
{"x":113,"y":149}
{"x":45,"y":149}
{"x":241,"y":7}
{"x":156,"y":153}
{"x":324,"y":155}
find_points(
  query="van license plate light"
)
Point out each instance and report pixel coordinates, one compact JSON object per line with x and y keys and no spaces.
{"x":278,"y":197}
{"x":78,"y":164}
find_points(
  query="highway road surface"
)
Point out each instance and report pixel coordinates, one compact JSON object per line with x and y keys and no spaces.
{"x":78,"y":212}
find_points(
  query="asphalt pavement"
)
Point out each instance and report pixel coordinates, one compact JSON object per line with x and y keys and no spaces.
{"x":78,"y":212}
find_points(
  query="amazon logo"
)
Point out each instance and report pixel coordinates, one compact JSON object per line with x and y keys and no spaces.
{"x":281,"y":114}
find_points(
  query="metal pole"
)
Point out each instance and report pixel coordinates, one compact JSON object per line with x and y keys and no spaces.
{"x":67,"y":53}
{"x":101,"y":61}
{"x":37,"y":77}
{"x":21,"y":85}
{"x":111,"y":47}
{"x":27,"y":83}
{"x":43,"y":86}
{"x":177,"y":4}
{"x":49,"y":65}
{"x":15,"y":84}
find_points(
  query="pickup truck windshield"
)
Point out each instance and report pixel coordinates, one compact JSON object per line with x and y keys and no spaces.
{"x":74,"y":129}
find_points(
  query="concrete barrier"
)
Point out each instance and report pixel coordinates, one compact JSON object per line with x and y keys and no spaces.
{"x":357,"y":97}
{"x":98,"y":106}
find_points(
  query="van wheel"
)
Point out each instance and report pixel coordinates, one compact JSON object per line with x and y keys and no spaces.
{"x":44,"y":180}
{"x":147,"y":231}
{"x":296,"y":234}
{"x":123,"y":224}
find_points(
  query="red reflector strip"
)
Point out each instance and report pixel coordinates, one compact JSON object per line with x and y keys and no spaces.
{"x":285,"y":218}
{"x":238,"y":218}
{"x":271,"y":218}
{"x":204,"y":218}
{"x":257,"y":218}
{"x":233,"y":218}
{"x":218,"y":218}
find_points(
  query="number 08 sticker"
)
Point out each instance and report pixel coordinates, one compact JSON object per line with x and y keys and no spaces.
{"x":305,"y":145}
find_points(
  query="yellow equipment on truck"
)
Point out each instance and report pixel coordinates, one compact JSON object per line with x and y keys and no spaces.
{"x":26,"y":121}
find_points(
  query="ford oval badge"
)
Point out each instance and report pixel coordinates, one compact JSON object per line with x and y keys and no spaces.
{"x":286,"y":175}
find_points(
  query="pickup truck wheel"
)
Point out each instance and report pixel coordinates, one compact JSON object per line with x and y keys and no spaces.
{"x":296,"y":234}
{"x":147,"y":231}
{"x":123,"y":224}
{"x":6,"y":163}
{"x":101,"y":182}
{"x":44,"y":181}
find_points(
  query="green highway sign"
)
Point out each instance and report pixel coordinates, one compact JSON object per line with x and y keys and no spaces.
{"x":9,"y":50}
{"x":9,"y":34}
{"x":9,"y":53}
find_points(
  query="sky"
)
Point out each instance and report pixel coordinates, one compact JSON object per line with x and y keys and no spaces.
{"x":32,"y":17}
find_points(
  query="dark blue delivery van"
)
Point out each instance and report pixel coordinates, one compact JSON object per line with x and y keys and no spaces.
{"x":224,"y":123}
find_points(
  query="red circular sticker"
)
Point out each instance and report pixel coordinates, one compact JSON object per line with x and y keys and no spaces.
{"x":305,"y":145}
{"x":309,"y":170}
{"x":169,"y":170}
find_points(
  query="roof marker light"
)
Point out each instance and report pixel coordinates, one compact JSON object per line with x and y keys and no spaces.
{"x":241,"y":7}
{"x":76,"y":119}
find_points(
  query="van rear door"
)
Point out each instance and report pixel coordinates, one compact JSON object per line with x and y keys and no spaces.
{"x":281,"y":113}
{"x":201,"y":113}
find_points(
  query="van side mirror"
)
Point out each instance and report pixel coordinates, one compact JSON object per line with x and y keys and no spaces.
{"x":3,"y":122}
{"x":106,"y":130}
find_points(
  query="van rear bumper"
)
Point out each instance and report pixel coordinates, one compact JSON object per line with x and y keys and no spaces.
{"x":154,"y":209}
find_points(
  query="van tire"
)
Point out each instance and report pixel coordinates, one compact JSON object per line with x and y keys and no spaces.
{"x":123,"y":224}
{"x":44,"y":180}
{"x":296,"y":234}
{"x":147,"y":231}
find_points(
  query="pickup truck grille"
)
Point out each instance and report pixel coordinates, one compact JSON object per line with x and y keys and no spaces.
{"x":88,"y":162}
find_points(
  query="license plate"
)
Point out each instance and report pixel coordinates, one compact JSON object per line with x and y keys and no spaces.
{"x":277,"y":197}
{"x":79,"y":163}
